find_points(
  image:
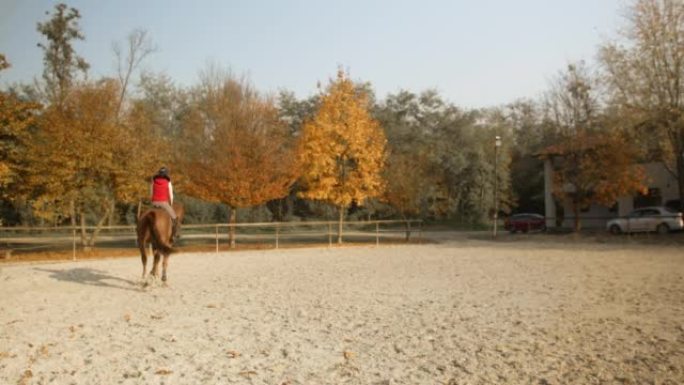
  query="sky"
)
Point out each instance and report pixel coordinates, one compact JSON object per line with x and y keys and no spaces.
{"x":475,"y":53}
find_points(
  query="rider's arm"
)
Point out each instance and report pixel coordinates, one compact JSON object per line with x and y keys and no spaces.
{"x":170,"y":193}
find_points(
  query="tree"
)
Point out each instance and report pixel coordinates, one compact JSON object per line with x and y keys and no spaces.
{"x":60,"y":58}
{"x":454,"y":149}
{"x":139,"y":47}
{"x":528,"y":136}
{"x":342,"y":151}
{"x":164,"y":102}
{"x":236,"y":150}
{"x":16,"y":116}
{"x":407,"y":182}
{"x":83,"y":159}
{"x":596,"y":165}
{"x":645,"y":74}
{"x":595,"y":168}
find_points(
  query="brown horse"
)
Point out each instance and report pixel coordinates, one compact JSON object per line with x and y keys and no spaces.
{"x":154,"y":226}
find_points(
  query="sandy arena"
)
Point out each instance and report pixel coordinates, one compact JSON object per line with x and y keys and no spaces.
{"x":454,"y":312}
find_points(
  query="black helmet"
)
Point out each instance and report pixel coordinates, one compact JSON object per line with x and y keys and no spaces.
{"x":163,"y":172}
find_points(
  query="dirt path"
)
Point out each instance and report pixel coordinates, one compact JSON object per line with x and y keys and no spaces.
{"x":454,"y":312}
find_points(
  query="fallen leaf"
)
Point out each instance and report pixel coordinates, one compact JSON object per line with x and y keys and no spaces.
{"x":24,"y":380}
{"x":44,"y":351}
{"x":247,"y":373}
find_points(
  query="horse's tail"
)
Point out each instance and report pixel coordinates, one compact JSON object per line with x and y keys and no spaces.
{"x":162,"y":243}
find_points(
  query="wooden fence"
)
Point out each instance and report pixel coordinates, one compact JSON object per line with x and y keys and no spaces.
{"x":32,"y":239}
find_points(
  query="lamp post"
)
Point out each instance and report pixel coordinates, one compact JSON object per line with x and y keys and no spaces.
{"x":497,"y":144}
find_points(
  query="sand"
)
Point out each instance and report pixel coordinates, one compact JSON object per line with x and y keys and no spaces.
{"x":452,"y":312}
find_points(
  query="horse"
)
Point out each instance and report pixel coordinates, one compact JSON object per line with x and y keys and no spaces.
{"x":154,"y":226}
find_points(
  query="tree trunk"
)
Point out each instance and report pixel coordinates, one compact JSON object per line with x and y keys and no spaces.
{"x":111,"y":217}
{"x":105,"y":218}
{"x":231,"y":229}
{"x":408,"y":228}
{"x":575,"y":211}
{"x":84,"y":236}
{"x":680,"y":177}
{"x":339,"y":225}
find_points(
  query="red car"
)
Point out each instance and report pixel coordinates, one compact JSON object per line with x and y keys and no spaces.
{"x":525,"y":223}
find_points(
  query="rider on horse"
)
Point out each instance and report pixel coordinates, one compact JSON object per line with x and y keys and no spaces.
{"x":162,"y":197}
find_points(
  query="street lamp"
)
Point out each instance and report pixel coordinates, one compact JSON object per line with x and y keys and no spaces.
{"x":497,"y":144}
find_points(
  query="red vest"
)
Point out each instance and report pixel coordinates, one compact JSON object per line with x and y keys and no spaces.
{"x":160,"y":190}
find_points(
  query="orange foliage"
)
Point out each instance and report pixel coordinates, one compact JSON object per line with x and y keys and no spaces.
{"x":15,"y":117}
{"x":84,"y":157}
{"x":236,"y":150}
{"x":595,"y":168}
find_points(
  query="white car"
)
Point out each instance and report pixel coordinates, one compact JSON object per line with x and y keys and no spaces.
{"x":659,"y":219}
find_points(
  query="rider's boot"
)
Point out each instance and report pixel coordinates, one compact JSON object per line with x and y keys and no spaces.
{"x":174,"y":230}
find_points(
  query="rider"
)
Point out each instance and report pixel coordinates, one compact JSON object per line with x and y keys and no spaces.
{"x":162,"y":197}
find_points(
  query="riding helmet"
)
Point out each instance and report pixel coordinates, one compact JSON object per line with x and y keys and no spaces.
{"x":164,"y":173}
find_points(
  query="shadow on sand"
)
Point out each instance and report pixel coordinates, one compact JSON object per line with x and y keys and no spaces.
{"x":91,"y":277}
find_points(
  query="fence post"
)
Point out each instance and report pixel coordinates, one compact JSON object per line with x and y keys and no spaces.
{"x":377,"y":234}
{"x":73,"y":243}
{"x":277,"y":233}
{"x":420,"y":232}
{"x":216,"y":227}
{"x":329,"y":234}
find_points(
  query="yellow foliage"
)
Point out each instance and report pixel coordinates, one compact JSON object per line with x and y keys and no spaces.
{"x":342,"y":151}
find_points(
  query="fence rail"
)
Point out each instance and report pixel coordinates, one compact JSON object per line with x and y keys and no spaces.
{"x":30,"y":239}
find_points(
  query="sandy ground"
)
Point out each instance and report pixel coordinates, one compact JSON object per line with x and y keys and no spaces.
{"x":454,"y":312}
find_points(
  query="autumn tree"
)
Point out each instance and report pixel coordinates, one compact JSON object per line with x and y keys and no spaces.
{"x":645,"y":72}
{"x":595,"y":163}
{"x":83,"y":159}
{"x":595,"y":168}
{"x":62,"y":64}
{"x":235,"y":149}
{"x":342,"y":151}
{"x":16,"y":116}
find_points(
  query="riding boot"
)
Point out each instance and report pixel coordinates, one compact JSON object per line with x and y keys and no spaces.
{"x":175,"y":232}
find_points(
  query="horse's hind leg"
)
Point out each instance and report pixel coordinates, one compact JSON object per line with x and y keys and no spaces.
{"x":165,"y":264}
{"x":143,"y":256}
{"x":155,"y":265}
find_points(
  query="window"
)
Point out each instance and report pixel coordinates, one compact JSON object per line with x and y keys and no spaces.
{"x":650,"y":213}
{"x":613,"y":208}
{"x":652,"y":198}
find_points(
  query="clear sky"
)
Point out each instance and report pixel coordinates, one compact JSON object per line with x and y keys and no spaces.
{"x":476,"y":53}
